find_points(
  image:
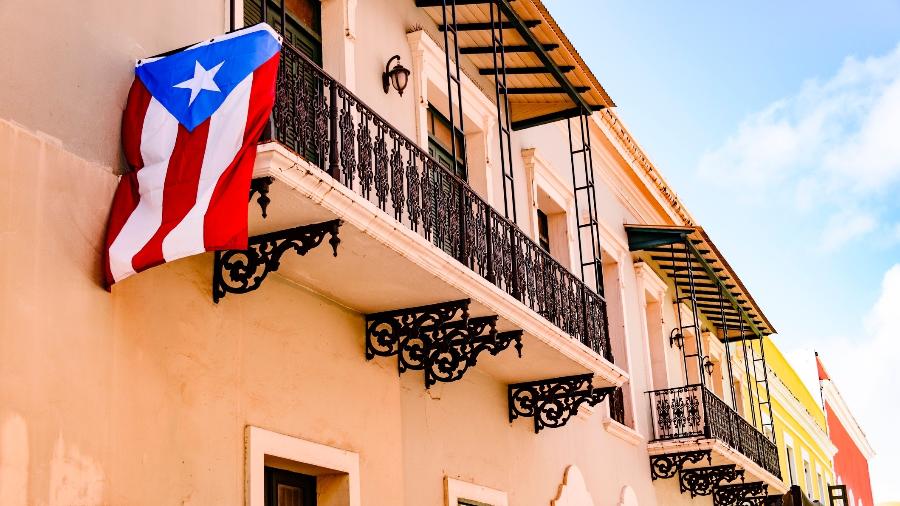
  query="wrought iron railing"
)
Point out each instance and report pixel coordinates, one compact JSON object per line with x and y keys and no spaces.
{"x":318,"y":118}
{"x":693,"y":411}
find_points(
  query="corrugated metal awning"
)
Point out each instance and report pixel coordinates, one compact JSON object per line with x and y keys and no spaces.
{"x":667,"y":248}
{"x":546,"y":78}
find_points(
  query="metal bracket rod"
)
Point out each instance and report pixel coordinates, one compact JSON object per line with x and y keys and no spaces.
{"x":552,"y":402}
{"x":439,"y":339}
{"x":665,"y":466}
{"x":242,"y":271}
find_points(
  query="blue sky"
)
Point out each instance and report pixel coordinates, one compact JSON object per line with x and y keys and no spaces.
{"x":778,"y":123}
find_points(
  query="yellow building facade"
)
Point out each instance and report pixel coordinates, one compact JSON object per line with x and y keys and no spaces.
{"x":805,"y":451}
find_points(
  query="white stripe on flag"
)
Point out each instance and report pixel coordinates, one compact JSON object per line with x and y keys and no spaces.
{"x":226,"y":136}
{"x":157,"y":142}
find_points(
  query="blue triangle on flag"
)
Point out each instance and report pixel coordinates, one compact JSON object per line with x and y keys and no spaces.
{"x":193,"y":83}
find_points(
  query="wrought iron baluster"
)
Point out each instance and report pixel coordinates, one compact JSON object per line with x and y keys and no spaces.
{"x":381,"y":167}
{"x":413,"y":201}
{"x":397,"y":196}
{"x":364,"y":144}
{"x":348,"y":139}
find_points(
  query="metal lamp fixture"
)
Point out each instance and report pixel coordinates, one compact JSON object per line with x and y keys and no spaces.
{"x":708,"y":365}
{"x":676,"y":338}
{"x":398,"y":76}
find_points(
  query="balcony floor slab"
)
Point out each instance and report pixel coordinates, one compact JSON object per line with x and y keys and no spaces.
{"x":721,"y":454}
{"x":383,"y":265}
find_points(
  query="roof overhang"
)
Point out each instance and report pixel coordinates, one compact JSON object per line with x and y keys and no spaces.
{"x":546,"y":79}
{"x":721,"y":296}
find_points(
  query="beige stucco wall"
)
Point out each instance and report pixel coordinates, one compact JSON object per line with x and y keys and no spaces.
{"x":141,"y":396}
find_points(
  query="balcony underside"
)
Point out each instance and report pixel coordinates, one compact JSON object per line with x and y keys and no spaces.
{"x":383,"y":265}
{"x":721,"y":454}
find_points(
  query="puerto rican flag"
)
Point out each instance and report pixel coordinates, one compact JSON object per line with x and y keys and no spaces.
{"x":189,"y":134}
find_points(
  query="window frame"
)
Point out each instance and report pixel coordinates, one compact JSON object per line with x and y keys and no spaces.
{"x":261,"y":445}
{"x":456,"y":491}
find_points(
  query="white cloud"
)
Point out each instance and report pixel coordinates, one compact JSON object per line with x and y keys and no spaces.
{"x":832,"y":146}
{"x":846,"y":226}
{"x":864,"y":368}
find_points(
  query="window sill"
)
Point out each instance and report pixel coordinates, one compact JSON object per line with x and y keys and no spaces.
{"x":623,"y":432}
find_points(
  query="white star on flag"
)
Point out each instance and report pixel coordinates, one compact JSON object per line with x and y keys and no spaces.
{"x":203,"y":80}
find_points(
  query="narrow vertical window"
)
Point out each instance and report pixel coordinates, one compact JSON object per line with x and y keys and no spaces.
{"x":807,"y":477}
{"x":543,"y":230}
{"x":792,"y":470}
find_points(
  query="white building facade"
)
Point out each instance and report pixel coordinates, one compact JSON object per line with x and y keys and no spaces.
{"x":479,"y":291}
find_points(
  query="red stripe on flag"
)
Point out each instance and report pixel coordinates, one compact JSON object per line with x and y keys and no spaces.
{"x":179,"y":192}
{"x":133,"y":123}
{"x":126,"y":198}
{"x":225,"y":223}
{"x":125,"y":201}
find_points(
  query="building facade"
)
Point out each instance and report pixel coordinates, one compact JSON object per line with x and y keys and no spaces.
{"x":851,"y":462}
{"x":805,"y":450}
{"x":475,"y":289}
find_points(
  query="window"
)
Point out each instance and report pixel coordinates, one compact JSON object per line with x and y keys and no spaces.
{"x":807,"y":477}
{"x":467,"y":502}
{"x":543,"y":230}
{"x":441,"y":143}
{"x":792,"y":469}
{"x":302,"y":23}
{"x":283,"y":470}
{"x":821,"y":486}
{"x":837,"y":495}
{"x":284,"y":488}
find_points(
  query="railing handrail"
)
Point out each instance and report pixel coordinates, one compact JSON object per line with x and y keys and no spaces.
{"x":446,"y":172}
{"x":672,"y":388}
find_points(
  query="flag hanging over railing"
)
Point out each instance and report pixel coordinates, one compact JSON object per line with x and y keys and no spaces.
{"x":189,"y":133}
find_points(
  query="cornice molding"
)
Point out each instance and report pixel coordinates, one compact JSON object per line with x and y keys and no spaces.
{"x":636,"y":155}
{"x":833,"y":397}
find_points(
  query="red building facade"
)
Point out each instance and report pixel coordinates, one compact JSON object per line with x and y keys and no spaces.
{"x":851,"y":462}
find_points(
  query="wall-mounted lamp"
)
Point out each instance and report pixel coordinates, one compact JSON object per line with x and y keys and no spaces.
{"x":708,"y":365}
{"x":676,"y":338}
{"x":398,"y":77}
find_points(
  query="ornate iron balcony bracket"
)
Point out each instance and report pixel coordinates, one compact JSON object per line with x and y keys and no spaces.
{"x":439,"y":339}
{"x":665,"y":466}
{"x":260,"y":186}
{"x":242,"y":271}
{"x":551,"y":403}
{"x":742,"y":494}
{"x":703,"y":480}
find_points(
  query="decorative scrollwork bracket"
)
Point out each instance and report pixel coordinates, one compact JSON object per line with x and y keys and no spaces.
{"x":552,"y":402}
{"x":665,"y":466}
{"x":439,"y":339}
{"x":242,"y":271}
{"x":260,"y":186}
{"x":742,"y":494}
{"x":703,"y":480}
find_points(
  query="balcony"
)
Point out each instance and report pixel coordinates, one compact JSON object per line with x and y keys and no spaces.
{"x":414,"y":234}
{"x":691,"y":419}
